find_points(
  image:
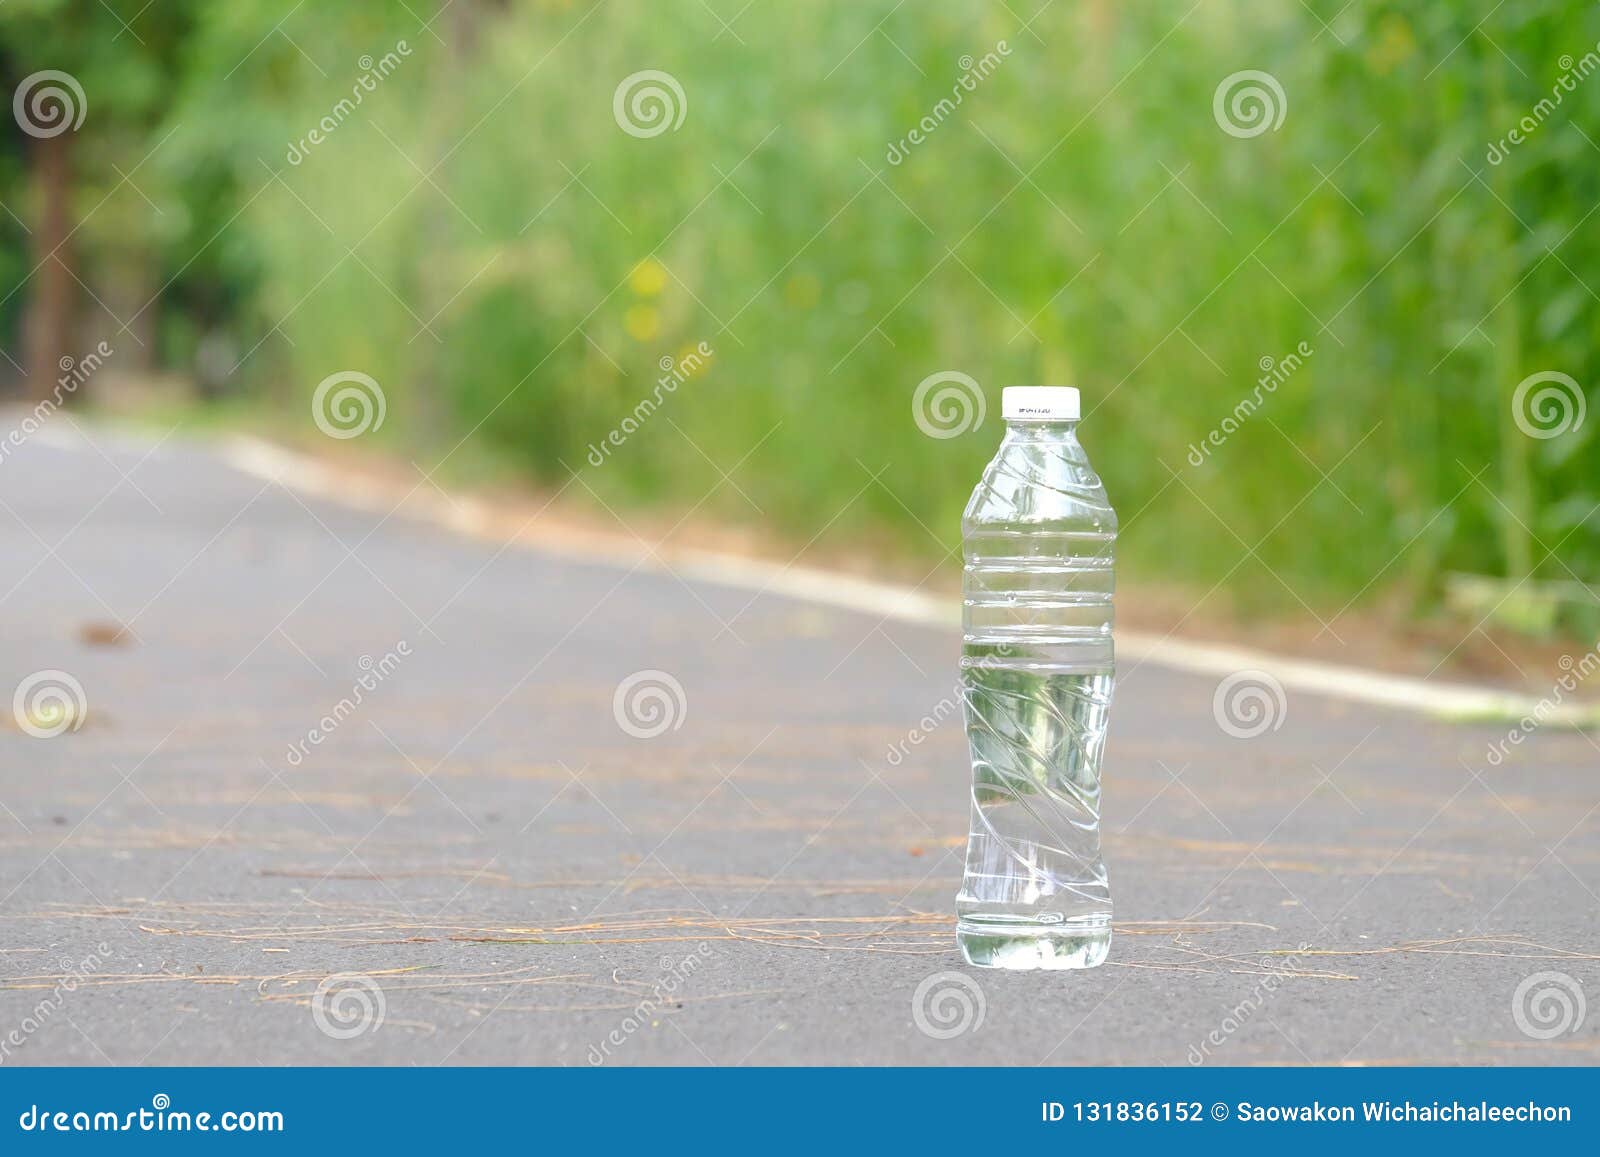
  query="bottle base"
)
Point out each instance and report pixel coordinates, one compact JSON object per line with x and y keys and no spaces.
{"x":1077,"y":944}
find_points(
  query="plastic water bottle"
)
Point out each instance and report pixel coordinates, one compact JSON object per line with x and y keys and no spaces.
{"x":1036,"y":674}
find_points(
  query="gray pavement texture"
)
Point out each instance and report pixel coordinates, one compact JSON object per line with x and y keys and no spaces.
{"x":492,"y":870}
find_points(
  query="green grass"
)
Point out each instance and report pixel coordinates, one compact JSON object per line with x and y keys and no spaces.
{"x":1080,"y":218}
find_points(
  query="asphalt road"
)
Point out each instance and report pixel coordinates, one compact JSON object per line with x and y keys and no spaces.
{"x":496,"y":871}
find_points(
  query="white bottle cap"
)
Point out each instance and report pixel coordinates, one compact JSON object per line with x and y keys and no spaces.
{"x":1039,"y":403}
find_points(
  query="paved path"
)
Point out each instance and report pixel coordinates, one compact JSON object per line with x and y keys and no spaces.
{"x":513,"y":878}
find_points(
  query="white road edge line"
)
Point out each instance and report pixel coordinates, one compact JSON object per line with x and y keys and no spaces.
{"x":1454,"y":701}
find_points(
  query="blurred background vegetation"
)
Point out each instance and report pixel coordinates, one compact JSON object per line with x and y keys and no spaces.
{"x":481,"y":237}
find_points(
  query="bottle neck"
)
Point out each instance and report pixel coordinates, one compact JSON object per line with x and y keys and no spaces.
{"x":1063,"y":432}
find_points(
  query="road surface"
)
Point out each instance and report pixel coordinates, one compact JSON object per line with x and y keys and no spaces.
{"x":360,"y":790}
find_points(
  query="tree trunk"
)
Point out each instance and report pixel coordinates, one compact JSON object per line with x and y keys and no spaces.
{"x":48,"y":329}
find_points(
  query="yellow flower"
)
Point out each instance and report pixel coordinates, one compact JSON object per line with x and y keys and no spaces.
{"x":802,"y":291}
{"x":648,"y":278}
{"x":642,"y":322}
{"x":692,"y":362}
{"x":1393,"y":45}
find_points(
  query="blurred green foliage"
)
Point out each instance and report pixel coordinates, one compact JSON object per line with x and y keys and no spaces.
{"x":482,"y":237}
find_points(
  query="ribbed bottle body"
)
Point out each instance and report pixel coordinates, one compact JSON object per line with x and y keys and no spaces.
{"x":1037,"y":673}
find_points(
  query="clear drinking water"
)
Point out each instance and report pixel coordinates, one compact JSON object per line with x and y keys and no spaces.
{"x":1036,"y":686}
